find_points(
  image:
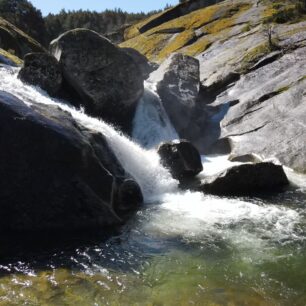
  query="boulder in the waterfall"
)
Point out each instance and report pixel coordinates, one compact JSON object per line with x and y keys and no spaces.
{"x":246,"y":179}
{"x":56,"y":175}
{"x":106,"y":78}
{"x":127,"y":197}
{"x":181,"y":158}
{"x":144,"y":65}
{"x":43,"y":70}
{"x":178,"y":84}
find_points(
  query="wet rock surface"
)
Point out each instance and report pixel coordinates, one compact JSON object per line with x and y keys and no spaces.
{"x":246,"y":179}
{"x":56,"y":175}
{"x":107,"y":79}
{"x":181,"y":158}
{"x":43,"y":70}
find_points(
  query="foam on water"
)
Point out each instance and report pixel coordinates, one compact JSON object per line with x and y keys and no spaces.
{"x":202,"y":218}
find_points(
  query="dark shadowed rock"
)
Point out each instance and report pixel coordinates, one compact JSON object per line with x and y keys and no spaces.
{"x":43,"y":70}
{"x":220,"y":147}
{"x":246,"y":179}
{"x":181,"y":158}
{"x":106,"y":78}
{"x":144,"y":65}
{"x":16,"y":41}
{"x":57,"y":175}
{"x":178,"y":85}
{"x":127,"y":197}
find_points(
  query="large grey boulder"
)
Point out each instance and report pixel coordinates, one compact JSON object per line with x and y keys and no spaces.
{"x":55,"y":175}
{"x":270,"y":118}
{"x":144,"y":65}
{"x":43,"y":70}
{"x":246,"y":179}
{"x":181,"y":158}
{"x":178,"y":83}
{"x":106,"y":78}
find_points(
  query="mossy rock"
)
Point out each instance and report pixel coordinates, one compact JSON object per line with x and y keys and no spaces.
{"x":9,"y":59}
{"x":156,"y":44}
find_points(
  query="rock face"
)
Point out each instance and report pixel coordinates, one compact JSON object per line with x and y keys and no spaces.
{"x":181,"y":158}
{"x":14,"y":40}
{"x":43,"y":70}
{"x":144,"y":65}
{"x":177,"y":82}
{"x":106,"y":78}
{"x":270,"y":119}
{"x":253,"y":86}
{"x":56,"y":175}
{"x":246,"y":179}
{"x":180,"y":10}
{"x":7,"y":58}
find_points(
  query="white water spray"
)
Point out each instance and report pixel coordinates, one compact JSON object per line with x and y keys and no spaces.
{"x":151,"y":124}
{"x":143,"y":165}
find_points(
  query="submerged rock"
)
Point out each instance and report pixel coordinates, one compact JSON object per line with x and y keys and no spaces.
{"x":43,"y":70}
{"x":178,"y":83}
{"x":246,"y":179}
{"x":107,"y":79}
{"x":181,"y":158}
{"x":55,"y":175}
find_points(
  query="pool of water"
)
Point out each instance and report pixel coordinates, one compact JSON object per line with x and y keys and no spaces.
{"x":189,"y":249}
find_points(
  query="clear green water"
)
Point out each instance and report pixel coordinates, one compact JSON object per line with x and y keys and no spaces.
{"x":191,"y":250}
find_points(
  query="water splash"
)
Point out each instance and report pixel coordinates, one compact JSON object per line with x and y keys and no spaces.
{"x":144,"y":165}
{"x":151,"y":124}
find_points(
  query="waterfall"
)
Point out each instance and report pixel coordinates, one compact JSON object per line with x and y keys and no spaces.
{"x":151,"y":124}
{"x":185,"y":213}
{"x":144,"y":165}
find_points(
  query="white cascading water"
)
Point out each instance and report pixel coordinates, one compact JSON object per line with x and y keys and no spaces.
{"x":190,"y":214}
{"x":151,"y":124}
{"x":143,"y":165}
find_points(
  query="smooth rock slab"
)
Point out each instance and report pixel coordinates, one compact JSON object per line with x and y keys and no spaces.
{"x":246,"y":179}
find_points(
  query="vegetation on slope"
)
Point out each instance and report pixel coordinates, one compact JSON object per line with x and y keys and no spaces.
{"x":198,"y":30}
{"x":104,"y":22}
{"x":157,"y":44}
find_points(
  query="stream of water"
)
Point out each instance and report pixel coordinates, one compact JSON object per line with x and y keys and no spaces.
{"x":181,"y":248}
